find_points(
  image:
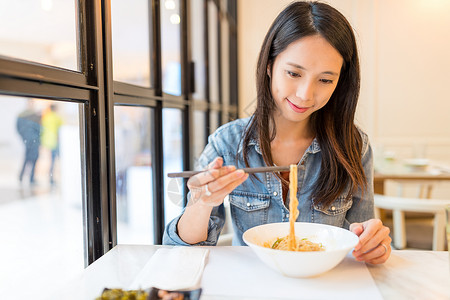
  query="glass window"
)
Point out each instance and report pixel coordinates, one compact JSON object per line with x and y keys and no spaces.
{"x":225,"y":55}
{"x":173,"y":162}
{"x":41,"y":31}
{"x":41,"y":206}
{"x":225,"y":116}
{"x":199,"y":134}
{"x":170,"y":47}
{"x":131,"y":42}
{"x":213,"y":51}
{"x":134,"y":192}
{"x":198,"y":48}
{"x":214,"y":121}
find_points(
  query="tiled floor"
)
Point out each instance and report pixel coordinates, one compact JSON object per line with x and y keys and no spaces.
{"x":41,"y":242}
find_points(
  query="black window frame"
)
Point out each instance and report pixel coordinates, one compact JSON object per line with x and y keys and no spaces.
{"x":94,"y":87}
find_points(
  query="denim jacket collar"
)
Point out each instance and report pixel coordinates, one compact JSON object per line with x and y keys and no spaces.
{"x":313,"y":148}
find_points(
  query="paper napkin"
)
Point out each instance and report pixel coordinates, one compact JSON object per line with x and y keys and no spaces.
{"x":178,"y":268}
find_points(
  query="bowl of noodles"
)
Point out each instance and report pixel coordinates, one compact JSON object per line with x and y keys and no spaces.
{"x":313,"y":249}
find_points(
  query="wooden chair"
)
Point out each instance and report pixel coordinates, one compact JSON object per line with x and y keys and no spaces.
{"x":400,"y":205}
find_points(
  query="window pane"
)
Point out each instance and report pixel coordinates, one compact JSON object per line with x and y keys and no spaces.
{"x":131,"y":42}
{"x":198,"y":47}
{"x":41,"y":31}
{"x":170,"y":47}
{"x":41,"y":216}
{"x":132,"y":134}
{"x":225,"y":55}
{"x":213,"y":47}
{"x":199,"y":133}
{"x":213,"y":121}
{"x":173,"y":162}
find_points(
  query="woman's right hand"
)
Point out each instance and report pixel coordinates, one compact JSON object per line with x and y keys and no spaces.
{"x":208,"y":189}
{"x":212,"y":185}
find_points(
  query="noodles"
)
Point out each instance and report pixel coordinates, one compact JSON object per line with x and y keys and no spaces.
{"x":293,"y":207}
{"x":291,"y":242}
{"x":301,"y":245}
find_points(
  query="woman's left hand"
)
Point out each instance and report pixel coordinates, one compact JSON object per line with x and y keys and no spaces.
{"x":374,"y":244}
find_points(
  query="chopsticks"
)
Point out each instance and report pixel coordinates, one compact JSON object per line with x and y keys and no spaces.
{"x":187,"y":174}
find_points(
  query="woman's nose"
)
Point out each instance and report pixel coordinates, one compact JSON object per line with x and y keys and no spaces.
{"x":305,"y":90}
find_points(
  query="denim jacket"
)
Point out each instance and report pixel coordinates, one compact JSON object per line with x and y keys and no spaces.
{"x":257,"y":202}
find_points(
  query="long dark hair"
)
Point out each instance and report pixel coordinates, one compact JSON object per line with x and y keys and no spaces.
{"x":333,"y":125}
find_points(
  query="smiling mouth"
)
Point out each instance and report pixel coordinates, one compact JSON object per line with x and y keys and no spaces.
{"x":296,"y":108}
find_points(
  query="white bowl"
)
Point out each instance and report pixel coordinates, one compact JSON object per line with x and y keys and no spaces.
{"x":417,"y":162}
{"x":337,"y":241}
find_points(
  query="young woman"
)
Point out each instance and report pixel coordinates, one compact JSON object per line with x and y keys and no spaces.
{"x":308,"y":85}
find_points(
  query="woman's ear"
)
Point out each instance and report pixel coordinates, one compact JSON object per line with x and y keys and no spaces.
{"x":269,"y":70}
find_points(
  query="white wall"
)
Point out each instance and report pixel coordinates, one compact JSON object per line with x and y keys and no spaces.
{"x":404,"y":50}
{"x":412,"y":102}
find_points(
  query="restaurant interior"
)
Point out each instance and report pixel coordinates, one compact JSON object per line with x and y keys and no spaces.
{"x":132,"y":90}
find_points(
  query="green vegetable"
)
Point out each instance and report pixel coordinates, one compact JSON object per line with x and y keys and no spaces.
{"x":119,"y":294}
{"x":277,"y":242}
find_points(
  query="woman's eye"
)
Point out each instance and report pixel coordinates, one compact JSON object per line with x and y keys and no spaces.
{"x":328,"y":81}
{"x":293,"y":74}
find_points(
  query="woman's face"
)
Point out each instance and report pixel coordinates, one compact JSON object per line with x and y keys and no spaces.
{"x":303,"y":77}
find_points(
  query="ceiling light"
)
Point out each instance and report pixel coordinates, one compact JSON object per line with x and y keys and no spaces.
{"x":175,"y":19}
{"x":169,"y":4}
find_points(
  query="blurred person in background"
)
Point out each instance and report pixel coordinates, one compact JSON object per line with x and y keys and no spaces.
{"x":29,"y":128}
{"x":51,"y":122}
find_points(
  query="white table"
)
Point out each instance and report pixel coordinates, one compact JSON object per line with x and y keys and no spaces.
{"x":408,"y":274}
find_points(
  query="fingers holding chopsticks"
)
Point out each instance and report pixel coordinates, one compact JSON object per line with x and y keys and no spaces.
{"x":212,"y":185}
{"x":213,"y":171}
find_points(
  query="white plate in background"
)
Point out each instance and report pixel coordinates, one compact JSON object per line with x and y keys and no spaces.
{"x":417,"y":162}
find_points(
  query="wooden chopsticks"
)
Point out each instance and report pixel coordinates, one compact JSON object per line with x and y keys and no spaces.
{"x":187,"y":174}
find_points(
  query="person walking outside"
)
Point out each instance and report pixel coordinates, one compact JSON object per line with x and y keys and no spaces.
{"x":51,"y":122}
{"x":29,"y":128}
